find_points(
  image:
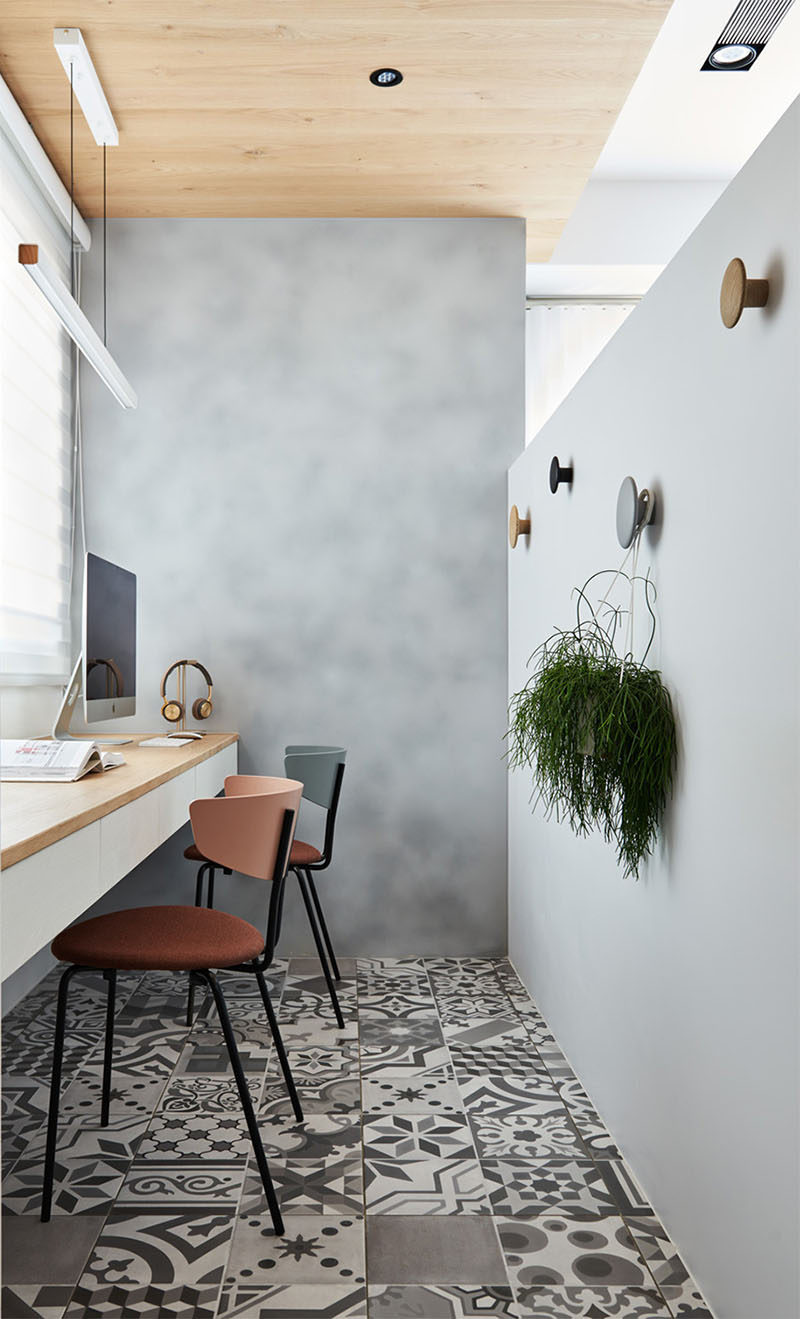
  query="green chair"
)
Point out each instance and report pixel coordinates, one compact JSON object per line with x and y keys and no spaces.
{"x":320,"y":769}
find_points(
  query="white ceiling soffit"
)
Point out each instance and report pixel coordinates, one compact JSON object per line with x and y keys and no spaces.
{"x":681,"y":123}
{"x":567,"y":283}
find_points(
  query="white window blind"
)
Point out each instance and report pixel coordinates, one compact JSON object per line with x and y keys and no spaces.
{"x":35,"y":442}
{"x":561,"y":342}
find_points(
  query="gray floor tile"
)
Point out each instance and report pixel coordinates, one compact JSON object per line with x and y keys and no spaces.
{"x":436,"y":1092}
{"x":461,"y":1249}
{"x":52,"y":1253}
{"x":418,"y":1136}
{"x":595,"y":1302}
{"x":169,"y":1262}
{"x":34,"y":1301}
{"x":315,"y":1248}
{"x":310,"y":1186}
{"x":339,"y":1095}
{"x":310,"y":966}
{"x":426,"y":1185}
{"x":186,"y":1185}
{"x":421,"y":1302}
{"x":319,"y":1136}
{"x":293,"y":1301}
{"x":553,"y":1252}
{"x":569,"y":1188}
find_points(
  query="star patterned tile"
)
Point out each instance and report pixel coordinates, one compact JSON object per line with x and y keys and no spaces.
{"x":316,"y":1248}
{"x":434,"y":1092}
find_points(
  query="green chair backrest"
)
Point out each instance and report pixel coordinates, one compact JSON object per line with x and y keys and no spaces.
{"x":315,"y":767}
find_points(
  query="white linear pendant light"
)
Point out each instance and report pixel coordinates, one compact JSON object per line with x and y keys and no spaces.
{"x":86,"y":87}
{"x":71,"y":50}
{"x":75,"y":323}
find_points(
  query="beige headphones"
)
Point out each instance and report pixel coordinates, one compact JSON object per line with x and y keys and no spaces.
{"x":173,"y":710}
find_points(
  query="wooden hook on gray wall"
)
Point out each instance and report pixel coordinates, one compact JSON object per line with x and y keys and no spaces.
{"x":738,"y":292}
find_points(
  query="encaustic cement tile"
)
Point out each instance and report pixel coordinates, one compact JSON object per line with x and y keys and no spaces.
{"x":555,"y":1252}
{"x":420,"y":1302}
{"x":309,"y":1186}
{"x":425,"y":1186}
{"x":591,"y":1303}
{"x":567,"y":1188}
{"x":436,"y":1092}
{"x":168,"y":1262}
{"x":293,"y":1301}
{"x":315,"y":1248}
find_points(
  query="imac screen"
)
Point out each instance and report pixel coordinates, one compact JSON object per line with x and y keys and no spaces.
{"x":109,"y":634}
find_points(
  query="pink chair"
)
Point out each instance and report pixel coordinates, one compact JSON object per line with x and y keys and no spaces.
{"x":247,"y":831}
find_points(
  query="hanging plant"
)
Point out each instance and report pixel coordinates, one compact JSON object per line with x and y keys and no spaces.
{"x":598,"y":730}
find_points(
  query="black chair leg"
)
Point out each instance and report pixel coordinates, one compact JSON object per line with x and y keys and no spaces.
{"x":55,"y":1093}
{"x":323,"y":926}
{"x":111,"y":977}
{"x":198,"y":887}
{"x":279,"y":1047}
{"x":320,"y":949}
{"x":247,"y":1104}
{"x":190,"y":1001}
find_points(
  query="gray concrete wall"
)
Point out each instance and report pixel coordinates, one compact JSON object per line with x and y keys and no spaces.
{"x":312,"y":493}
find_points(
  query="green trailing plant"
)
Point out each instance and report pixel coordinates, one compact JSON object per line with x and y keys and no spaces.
{"x":598,"y":731}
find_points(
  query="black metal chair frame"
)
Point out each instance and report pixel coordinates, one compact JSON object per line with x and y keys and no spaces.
{"x":199,"y":976}
{"x":308,"y":889}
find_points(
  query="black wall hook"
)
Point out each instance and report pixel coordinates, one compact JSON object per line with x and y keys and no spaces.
{"x":559,"y":475}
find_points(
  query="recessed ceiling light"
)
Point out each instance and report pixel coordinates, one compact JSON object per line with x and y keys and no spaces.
{"x":732,"y":57}
{"x":745,"y":35}
{"x":386,"y":77}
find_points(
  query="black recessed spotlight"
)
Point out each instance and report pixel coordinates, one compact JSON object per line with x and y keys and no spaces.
{"x":738,"y":55}
{"x":386,"y":77}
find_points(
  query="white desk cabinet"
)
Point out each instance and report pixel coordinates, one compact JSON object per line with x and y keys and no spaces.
{"x":65,"y":844}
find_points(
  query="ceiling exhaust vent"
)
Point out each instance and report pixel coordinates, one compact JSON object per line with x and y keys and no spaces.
{"x":745,"y":35}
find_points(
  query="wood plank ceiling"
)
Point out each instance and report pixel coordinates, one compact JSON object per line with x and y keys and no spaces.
{"x":229,"y":107}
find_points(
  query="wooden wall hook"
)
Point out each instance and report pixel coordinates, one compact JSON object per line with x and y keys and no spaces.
{"x":738,"y":292}
{"x":517,"y":527}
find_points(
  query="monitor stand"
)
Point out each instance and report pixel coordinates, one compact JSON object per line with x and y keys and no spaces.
{"x":69,"y":700}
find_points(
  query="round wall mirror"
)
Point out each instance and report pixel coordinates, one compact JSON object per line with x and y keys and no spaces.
{"x":634,"y":511}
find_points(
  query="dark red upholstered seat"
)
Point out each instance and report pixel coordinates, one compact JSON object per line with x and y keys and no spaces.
{"x":160,"y":939}
{"x":193,"y":853}
{"x":303,"y":854}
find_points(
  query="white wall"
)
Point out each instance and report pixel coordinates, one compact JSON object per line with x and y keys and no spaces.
{"x":676,"y":999}
{"x":636,"y":221}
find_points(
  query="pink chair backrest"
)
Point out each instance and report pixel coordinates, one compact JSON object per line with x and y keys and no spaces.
{"x":250,"y":785}
{"x":242,"y":831}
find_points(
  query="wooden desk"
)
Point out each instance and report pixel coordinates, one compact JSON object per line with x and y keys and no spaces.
{"x":65,"y":844}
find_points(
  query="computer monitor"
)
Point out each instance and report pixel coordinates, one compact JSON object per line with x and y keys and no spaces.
{"x":105,"y":669}
{"x":109,"y":640}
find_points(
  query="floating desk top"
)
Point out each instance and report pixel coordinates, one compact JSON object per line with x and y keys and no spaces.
{"x":35,"y":815}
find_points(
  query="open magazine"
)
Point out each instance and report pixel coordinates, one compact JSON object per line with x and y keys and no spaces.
{"x":53,"y":762}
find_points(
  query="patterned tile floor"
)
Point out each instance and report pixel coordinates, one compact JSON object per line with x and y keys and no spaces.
{"x":449,"y":1164}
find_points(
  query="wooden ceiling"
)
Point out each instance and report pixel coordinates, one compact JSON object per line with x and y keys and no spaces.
{"x":232,"y":107}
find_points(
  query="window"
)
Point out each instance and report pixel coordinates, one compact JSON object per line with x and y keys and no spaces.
{"x":35,"y":443}
{"x":562,"y":339}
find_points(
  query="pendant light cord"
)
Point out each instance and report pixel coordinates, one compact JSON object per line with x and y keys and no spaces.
{"x":71,"y":183}
{"x":105,"y":277}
